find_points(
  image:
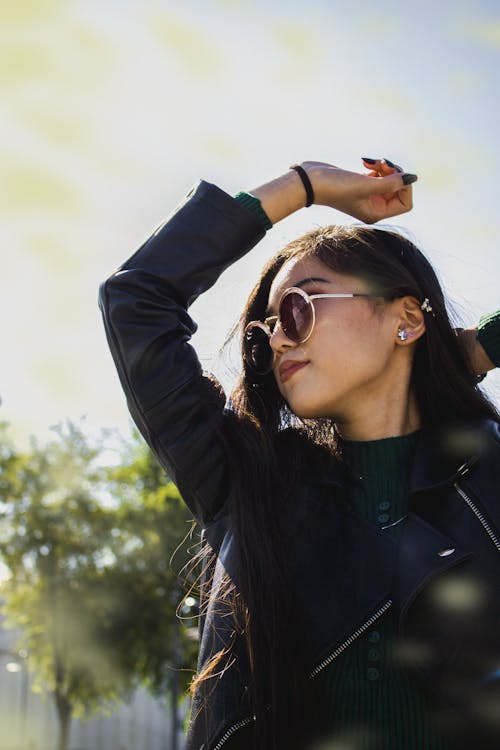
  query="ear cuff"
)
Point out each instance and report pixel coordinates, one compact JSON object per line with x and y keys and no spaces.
{"x":427,"y":307}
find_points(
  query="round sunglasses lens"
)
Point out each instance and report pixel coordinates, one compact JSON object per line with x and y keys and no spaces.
{"x":296,"y":316}
{"x":257,"y":350}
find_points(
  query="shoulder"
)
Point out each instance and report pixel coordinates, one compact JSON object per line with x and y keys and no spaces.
{"x":490,"y":440}
{"x":484,"y":451}
{"x":492,"y":429}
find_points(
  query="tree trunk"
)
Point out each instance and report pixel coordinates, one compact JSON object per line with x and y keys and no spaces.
{"x":174,"y":687}
{"x":64,"y":715}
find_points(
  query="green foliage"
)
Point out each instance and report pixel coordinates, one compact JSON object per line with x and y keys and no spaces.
{"x":152,"y":521}
{"x":92,"y":586}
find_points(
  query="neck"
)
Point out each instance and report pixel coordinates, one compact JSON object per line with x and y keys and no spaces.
{"x":391,"y":413}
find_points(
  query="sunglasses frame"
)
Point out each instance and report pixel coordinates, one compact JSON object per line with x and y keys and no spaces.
{"x":265,"y":325}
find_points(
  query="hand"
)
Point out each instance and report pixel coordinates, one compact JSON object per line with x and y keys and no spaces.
{"x":479,"y":360}
{"x":378,"y":194}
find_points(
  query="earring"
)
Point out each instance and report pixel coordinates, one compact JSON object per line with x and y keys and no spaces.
{"x":403,"y":335}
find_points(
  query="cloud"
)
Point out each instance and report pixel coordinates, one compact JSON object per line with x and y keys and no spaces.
{"x":53,"y":124}
{"x":301,"y":51}
{"x":26,"y":187}
{"x":187,"y":44}
{"x":23,"y":62}
{"x":483,"y":33}
{"x":52,"y":248}
{"x":23,"y":12}
{"x":221,"y":146}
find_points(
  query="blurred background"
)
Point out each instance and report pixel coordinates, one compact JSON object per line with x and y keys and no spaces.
{"x":110,"y":111}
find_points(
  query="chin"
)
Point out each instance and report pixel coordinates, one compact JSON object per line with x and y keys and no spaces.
{"x":311,"y":410}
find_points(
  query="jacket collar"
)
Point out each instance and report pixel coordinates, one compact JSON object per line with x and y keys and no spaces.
{"x":441,"y":457}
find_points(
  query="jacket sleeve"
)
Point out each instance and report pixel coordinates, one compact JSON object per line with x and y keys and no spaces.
{"x":178,"y":410}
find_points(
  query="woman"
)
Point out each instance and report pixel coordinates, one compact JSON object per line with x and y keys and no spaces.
{"x":348,"y":490}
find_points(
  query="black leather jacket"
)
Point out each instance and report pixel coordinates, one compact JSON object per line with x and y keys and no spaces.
{"x":452,"y":528}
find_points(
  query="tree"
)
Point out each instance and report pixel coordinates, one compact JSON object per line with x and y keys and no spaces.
{"x":152,"y":524}
{"x":88,"y":549}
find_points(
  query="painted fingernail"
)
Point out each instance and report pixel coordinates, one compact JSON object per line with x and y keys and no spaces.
{"x":389,"y":163}
{"x":369,"y":161}
{"x":409,"y":178}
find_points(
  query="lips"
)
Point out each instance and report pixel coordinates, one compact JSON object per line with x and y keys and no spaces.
{"x":287,"y":369}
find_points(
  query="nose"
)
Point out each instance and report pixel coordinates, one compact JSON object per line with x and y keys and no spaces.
{"x":279,"y":341}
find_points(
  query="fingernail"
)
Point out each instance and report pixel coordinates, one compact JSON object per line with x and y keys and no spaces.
{"x":369,"y":161}
{"x":409,"y":178}
{"x":392,"y":165}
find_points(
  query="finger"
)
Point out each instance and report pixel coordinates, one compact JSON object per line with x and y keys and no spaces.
{"x":378,"y":169}
{"x":390,"y":184}
{"x":389,"y":165}
{"x":383,"y":166}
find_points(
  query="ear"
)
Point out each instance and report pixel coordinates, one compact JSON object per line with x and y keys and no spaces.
{"x":411,"y":321}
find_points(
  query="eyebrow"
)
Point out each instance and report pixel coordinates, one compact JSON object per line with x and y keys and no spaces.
{"x":301,"y":283}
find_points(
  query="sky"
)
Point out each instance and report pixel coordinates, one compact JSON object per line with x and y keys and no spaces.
{"x":111,"y":111}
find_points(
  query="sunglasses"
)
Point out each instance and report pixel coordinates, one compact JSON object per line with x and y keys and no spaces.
{"x":296,"y":316}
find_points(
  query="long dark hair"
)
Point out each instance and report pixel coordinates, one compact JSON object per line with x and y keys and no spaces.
{"x":268,"y":457}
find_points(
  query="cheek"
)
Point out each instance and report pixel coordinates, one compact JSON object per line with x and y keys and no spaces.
{"x":337,"y":340}
{"x":344,"y":355}
{"x":352,"y":345}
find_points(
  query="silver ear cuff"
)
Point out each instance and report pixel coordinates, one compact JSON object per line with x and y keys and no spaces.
{"x":426,"y":306}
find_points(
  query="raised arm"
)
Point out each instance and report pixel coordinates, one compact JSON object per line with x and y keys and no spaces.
{"x":144,"y":305}
{"x":370,"y":197}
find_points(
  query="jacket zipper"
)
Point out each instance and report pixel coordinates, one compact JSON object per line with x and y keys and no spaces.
{"x":479,"y":516}
{"x":317,"y":669}
{"x":227,"y":734}
{"x":328,"y":660}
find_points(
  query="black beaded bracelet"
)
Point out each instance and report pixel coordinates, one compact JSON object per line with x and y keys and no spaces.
{"x":306,"y":182}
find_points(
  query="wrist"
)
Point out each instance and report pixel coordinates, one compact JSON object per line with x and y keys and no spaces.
{"x":317,"y":174}
{"x":306,"y":183}
{"x":282,"y":196}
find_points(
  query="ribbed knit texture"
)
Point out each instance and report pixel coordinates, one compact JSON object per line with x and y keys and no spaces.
{"x":364,"y":694}
{"x":488,"y":335}
{"x":254,"y":205}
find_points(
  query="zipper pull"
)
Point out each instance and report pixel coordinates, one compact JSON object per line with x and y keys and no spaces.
{"x":464,"y":469}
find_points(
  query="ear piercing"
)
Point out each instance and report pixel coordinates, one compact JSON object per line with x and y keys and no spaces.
{"x":427,"y":307}
{"x":403,"y":335}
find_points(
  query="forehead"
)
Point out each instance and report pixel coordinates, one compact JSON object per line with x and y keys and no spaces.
{"x":297,"y":270}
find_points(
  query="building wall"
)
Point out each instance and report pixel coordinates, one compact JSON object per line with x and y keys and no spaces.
{"x":29,"y":722}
